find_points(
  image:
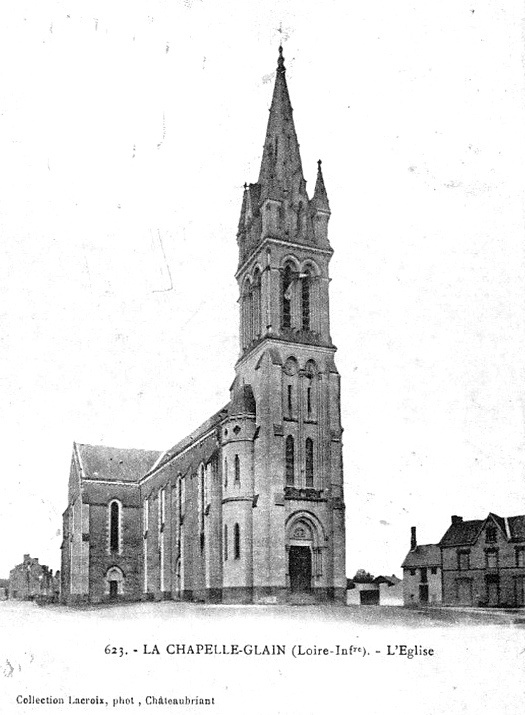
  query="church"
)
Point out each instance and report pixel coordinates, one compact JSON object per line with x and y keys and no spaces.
{"x":249,"y":508}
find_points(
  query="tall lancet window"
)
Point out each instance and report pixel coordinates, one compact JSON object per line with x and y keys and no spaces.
{"x":246,"y":314}
{"x":309,"y":462}
{"x":305,"y":301}
{"x":287,"y":288}
{"x":289,"y":460}
{"x":256,"y":304}
{"x":114,"y":526}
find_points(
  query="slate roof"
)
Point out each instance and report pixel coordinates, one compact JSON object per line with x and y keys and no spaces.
{"x":168,"y":455}
{"x":462,"y":533}
{"x":465,"y":533}
{"x":517,"y":527}
{"x":424,"y":555}
{"x":114,"y":464}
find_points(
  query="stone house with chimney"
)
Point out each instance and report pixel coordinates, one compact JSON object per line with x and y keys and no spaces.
{"x":32,"y":580}
{"x":477,"y":563}
{"x":484,"y":561}
{"x":422,"y":578}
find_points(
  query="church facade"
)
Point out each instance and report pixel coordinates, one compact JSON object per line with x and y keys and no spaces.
{"x":249,"y":508}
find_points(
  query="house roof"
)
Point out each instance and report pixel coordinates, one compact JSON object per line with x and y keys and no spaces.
{"x":465,"y":533}
{"x":114,"y":464}
{"x":462,"y":532}
{"x":424,"y":555}
{"x":517,"y":527}
{"x":390,"y":580}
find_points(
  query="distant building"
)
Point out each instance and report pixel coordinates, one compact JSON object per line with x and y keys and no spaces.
{"x":32,"y":580}
{"x":390,"y":590}
{"x":476,"y":563}
{"x":380,"y":591}
{"x":422,"y":574}
{"x":4,"y":588}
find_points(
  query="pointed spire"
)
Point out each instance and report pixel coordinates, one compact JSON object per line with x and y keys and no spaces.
{"x":320,"y":197}
{"x":281,"y":173}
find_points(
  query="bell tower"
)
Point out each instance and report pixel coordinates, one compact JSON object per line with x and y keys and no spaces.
{"x":291,"y":467}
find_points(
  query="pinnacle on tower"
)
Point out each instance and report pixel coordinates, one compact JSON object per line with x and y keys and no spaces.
{"x":320,"y":197}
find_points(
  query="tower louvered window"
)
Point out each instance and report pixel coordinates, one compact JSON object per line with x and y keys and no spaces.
{"x":305,"y":302}
{"x":287,"y":298}
{"x":289,"y":460}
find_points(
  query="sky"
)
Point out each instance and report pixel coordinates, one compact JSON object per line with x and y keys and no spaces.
{"x":126,"y":135}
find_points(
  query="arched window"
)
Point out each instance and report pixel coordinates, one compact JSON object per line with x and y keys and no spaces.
{"x":305,"y":301}
{"x":309,"y":471}
{"x":225,"y":472}
{"x":246,"y":313}
{"x":237,"y":469}
{"x":256,"y":304}
{"x":114,"y":526}
{"x":236,"y":541}
{"x":225,"y":542}
{"x":289,"y":458}
{"x":287,"y":287}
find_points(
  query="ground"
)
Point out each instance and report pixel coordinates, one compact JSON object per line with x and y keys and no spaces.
{"x":424,"y":661}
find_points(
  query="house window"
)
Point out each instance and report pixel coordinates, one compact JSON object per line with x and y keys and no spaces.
{"x":491,"y":558}
{"x":114,"y":526}
{"x":225,"y":472}
{"x":225,"y":542}
{"x":309,"y":401}
{"x":290,"y":400}
{"x":236,"y":541}
{"x":309,"y":472}
{"x":433,"y":570}
{"x":423,"y":574}
{"x":237,"y":469}
{"x":520,"y":556}
{"x":491,"y":535}
{"x":412,"y":572}
{"x":289,"y":460}
{"x":463,"y":560}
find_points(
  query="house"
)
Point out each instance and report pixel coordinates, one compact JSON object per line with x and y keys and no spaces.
{"x":250,"y":506}
{"x":422,"y":574}
{"x":32,"y":580}
{"x":479,"y":562}
{"x":484,"y":561}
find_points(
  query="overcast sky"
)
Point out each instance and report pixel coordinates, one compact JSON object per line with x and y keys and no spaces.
{"x":125,"y":138}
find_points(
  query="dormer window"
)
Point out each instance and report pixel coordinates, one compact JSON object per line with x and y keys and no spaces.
{"x":491,"y":535}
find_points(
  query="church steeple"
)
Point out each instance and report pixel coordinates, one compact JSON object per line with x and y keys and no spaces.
{"x":281,"y":175}
{"x":277,"y":206}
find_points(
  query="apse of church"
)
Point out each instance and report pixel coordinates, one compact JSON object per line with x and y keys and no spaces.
{"x":249,"y":507}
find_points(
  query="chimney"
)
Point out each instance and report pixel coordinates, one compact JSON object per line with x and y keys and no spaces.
{"x":456,"y":519}
{"x":413,"y":540}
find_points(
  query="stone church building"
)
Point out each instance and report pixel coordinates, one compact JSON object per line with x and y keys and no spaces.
{"x":248,"y":508}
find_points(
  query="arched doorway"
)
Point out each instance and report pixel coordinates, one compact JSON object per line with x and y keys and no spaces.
{"x":114,"y":583}
{"x":303,"y":545}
